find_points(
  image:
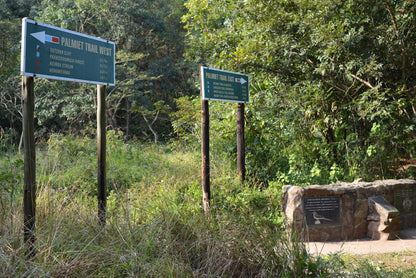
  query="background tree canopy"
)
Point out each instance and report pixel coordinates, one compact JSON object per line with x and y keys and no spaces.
{"x":149,"y":39}
{"x":332,"y":82}
{"x":333,"y":86}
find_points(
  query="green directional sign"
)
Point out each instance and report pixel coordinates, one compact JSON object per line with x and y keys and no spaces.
{"x":56,"y":53}
{"x":224,"y":85}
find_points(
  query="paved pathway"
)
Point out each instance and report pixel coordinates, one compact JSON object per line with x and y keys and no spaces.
{"x":406,"y":242}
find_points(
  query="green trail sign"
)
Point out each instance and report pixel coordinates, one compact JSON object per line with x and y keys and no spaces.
{"x":224,"y":85}
{"x":56,"y":53}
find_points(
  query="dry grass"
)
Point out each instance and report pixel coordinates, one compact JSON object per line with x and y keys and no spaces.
{"x":151,"y":235}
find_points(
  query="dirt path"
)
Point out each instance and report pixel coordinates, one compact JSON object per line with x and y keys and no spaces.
{"x":406,"y":242}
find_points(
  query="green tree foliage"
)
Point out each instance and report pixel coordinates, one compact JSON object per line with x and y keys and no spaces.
{"x":10,"y":108}
{"x":333,"y":86}
{"x":149,"y":39}
{"x":149,"y":68}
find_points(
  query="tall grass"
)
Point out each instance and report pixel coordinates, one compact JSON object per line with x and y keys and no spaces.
{"x":155,"y":226}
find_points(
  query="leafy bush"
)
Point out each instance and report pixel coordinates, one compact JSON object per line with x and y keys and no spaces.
{"x":327,"y":103}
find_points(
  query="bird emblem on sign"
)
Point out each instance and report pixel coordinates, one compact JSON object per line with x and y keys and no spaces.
{"x":318,"y":218}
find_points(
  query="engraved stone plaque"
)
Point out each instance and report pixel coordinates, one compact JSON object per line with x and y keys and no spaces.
{"x":324,"y":210}
{"x":405,"y":199}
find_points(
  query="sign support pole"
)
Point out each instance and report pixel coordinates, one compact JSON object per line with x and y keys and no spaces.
{"x":101,"y":151}
{"x":206,"y":191}
{"x":29,"y":192}
{"x":241,"y":164}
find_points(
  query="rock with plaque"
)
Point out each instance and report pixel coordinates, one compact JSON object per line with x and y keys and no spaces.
{"x":346,"y":211}
{"x":322,"y":210}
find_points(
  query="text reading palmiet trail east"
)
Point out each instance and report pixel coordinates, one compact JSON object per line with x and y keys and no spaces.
{"x":89,"y":47}
{"x":221,"y":77}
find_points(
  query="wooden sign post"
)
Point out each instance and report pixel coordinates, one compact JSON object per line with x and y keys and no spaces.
{"x":227,"y":86}
{"x":56,"y":53}
{"x":29,"y":189}
{"x":101,"y":151}
{"x":206,"y":191}
{"x":241,"y":152}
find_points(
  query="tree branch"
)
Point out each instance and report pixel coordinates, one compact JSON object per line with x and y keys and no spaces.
{"x":402,"y":45}
{"x":157,"y":115}
{"x":150,"y":125}
{"x":368,"y":84}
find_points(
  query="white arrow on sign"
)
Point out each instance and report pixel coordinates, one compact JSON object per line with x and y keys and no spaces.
{"x":240,"y":80}
{"x":43,"y":37}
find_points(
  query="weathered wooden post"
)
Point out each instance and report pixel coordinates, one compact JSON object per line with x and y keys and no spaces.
{"x":29,"y":190}
{"x":101,"y":151}
{"x":206,"y":190}
{"x":241,"y":153}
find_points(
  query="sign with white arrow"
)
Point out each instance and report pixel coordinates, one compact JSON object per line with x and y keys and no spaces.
{"x":43,"y":37}
{"x":56,"y":53}
{"x":224,"y":85}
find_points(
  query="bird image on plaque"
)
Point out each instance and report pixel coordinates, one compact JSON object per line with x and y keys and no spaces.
{"x":324,"y":210}
{"x":319,"y":218}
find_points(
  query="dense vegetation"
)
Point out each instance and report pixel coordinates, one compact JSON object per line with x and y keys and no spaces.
{"x":332,"y":82}
{"x":150,"y":70}
{"x":333,"y":87}
{"x":332,"y":91}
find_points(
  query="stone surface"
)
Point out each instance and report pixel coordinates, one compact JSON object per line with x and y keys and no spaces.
{"x":384,"y":219}
{"x":360,"y":218}
{"x":347,"y":232}
{"x":383,"y":208}
{"x":379,"y":230}
{"x":293,"y":207}
{"x":405,"y":199}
